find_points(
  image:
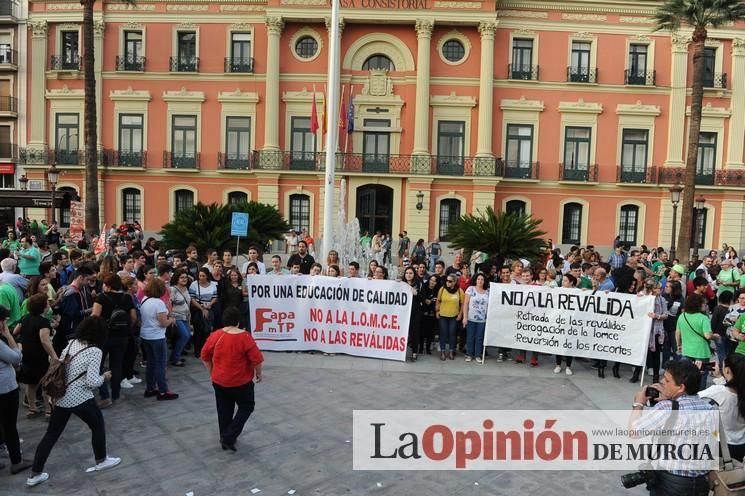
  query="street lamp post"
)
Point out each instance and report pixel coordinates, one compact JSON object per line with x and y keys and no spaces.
{"x":699,"y":205}
{"x":675,"y":191}
{"x":52,"y":178}
{"x":23,"y":183}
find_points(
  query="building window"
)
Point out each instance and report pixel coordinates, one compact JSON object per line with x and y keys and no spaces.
{"x":577,"y":148}
{"x":378,"y":62}
{"x":376,"y":145}
{"x":449,"y":215}
{"x":710,"y":57}
{"x":579,"y":70}
{"x":66,"y":138}
{"x":187,"y":52}
{"x":637,"y":64}
{"x":519,"y":148}
{"x":522,"y":59}
{"x":6,"y":50}
{"x":634,"y":155}
{"x":628,"y":224}
{"x":707,"y":157}
{"x":130,"y":139}
{"x":133,"y":53}
{"x":306,"y":47}
{"x":453,"y":50}
{"x":299,"y":212}
{"x":517,"y":207}
{"x":240,"y":53}
{"x":131,"y":205}
{"x":698,"y":228}
{"x":571,"y":227}
{"x":451,"y":139}
{"x":237,"y":141}
{"x":183,"y":200}
{"x":7,"y":181}
{"x":68,"y":194}
{"x":184,"y":141}
{"x":70,"y":51}
{"x":302,"y":144}
{"x":237,"y":197}
{"x":6,"y":143}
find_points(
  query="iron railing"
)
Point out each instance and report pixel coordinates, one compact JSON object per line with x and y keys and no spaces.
{"x":239,"y":64}
{"x":522,"y":72}
{"x":130,"y":63}
{"x":62,"y":63}
{"x":174,"y":160}
{"x":8,"y":104}
{"x":121,"y":158}
{"x":675,"y":175}
{"x":514,"y":169}
{"x":635,"y":176}
{"x":178,"y":64}
{"x":8,"y":56}
{"x":639,"y":78}
{"x":582,"y":74}
{"x":234,"y":161}
{"x":588,"y":174}
{"x":717,"y":80}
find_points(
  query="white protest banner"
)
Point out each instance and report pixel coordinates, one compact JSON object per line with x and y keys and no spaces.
{"x":330,"y":314}
{"x":571,"y":322}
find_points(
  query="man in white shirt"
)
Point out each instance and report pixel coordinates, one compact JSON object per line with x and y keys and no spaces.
{"x":253,"y":256}
{"x":277,"y":269}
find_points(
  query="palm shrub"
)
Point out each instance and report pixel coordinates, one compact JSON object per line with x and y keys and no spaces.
{"x":208,"y":226}
{"x":500,"y":235}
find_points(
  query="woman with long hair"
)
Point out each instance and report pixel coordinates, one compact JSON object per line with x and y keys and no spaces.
{"x":415,"y":317}
{"x":693,"y":334}
{"x":673,"y":295}
{"x":181,"y":311}
{"x":83,"y":376}
{"x":155,"y":321}
{"x":234,"y":293}
{"x":428,"y":325}
{"x":657,"y":336}
{"x":449,"y":310}
{"x":333,"y":259}
{"x":203,"y":293}
{"x":475,"y":305}
{"x":730,"y":397}
{"x":35,"y":330}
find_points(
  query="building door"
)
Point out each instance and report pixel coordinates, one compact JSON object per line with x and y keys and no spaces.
{"x":375,"y":208}
{"x":376,"y":146}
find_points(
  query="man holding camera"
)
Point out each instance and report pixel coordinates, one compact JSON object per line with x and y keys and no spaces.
{"x":679,"y":386}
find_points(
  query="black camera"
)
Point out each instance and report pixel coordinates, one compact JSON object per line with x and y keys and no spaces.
{"x":708,"y":367}
{"x":648,"y":477}
{"x":652,"y":393}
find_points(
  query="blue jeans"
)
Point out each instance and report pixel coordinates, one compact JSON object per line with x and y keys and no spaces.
{"x":721,"y":344}
{"x":184,"y":334}
{"x":448,"y":326}
{"x":156,"y":351}
{"x":475,"y":338}
{"x":432,"y":262}
{"x":704,"y":374}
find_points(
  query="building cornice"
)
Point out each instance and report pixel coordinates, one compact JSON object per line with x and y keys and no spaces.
{"x":603,"y":7}
{"x":522,"y":105}
{"x":581,"y":107}
{"x":237,"y":96}
{"x":709,"y":111}
{"x":452,"y":100}
{"x":130,"y":95}
{"x":183,"y":96}
{"x":638,"y":109}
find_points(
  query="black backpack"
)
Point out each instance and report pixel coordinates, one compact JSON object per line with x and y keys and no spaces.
{"x":119,"y":322}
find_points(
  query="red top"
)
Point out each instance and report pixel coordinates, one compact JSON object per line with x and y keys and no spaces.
{"x":233,"y":357}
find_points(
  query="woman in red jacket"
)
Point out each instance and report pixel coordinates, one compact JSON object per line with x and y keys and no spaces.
{"x":233,"y":359}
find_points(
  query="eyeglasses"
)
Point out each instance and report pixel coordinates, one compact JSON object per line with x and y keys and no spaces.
{"x":450,"y":281}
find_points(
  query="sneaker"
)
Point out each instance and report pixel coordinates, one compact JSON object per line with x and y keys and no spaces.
{"x":479,"y":360}
{"x":468,"y":358}
{"x":520,"y":358}
{"x":109,"y":462}
{"x":557,"y":369}
{"x":104,"y":404}
{"x":167,"y":396}
{"x":500,"y":357}
{"x":37,"y":479}
{"x":134,"y":380}
{"x":534,"y":361}
{"x":569,"y":371}
{"x":125,"y":384}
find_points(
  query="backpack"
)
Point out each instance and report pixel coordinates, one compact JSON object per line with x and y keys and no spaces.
{"x":119,"y":322}
{"x":54,"y":382}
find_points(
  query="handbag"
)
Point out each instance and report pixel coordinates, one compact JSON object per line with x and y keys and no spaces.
{"x":729,"y":480}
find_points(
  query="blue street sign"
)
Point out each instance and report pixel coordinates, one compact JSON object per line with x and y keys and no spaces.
{"x":239,"y":224}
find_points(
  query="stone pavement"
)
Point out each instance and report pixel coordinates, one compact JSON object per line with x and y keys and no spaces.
{"x":299,"y":437}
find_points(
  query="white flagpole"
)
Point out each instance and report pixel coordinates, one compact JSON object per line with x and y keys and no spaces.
{"x":331,"y":138}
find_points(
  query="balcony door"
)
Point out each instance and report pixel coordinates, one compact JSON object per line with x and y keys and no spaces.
{"x":376,"y":145}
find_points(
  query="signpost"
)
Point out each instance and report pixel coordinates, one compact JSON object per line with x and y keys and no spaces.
{"x":239,"y":227}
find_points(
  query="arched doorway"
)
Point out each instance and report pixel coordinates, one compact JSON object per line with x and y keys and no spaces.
{"x":375,"y":208}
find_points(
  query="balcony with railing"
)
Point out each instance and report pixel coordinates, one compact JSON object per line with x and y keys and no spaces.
{"x":64,"y":63}
{"x":234,"y":161}
{"x":8,"y":105}
{"x":716,"y":80}
{"x":8,"y":57}
{"x":68,"y":157}
{"x":180,"y":160}
{"x":178,"y":64}
{"x":628,"y":175}
{"x":522,"y":72}
{"x":675,"y":175}
{"x":122,"y":158}
{"x":587,"y":174}
{"x":133,"y":63}
{"x":582,"y":74}
{"x":515,"y":169}
{"x":33,"y":156}
{"x":8,"y":152}
{"x":239,"y":65}
{"x":637,"y":78}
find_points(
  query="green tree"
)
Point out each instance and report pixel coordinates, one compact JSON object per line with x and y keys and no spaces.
{"x":208,"y":226}
{"x":500,"y":235}
{"x":700,"y":15}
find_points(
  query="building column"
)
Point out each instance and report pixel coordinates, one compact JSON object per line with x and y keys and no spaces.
{"x":421,"y":116}
{"x":37,"y":113}
{"x":487,"y":29}
{"x":274,"y":26}
{"x":326,"y":106}
{"x":737,"y":119}
{"x":98,"y":31}
{"x":678,"y":76}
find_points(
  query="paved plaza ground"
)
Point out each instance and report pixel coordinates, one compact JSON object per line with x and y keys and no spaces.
{"x":299,"y":437}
